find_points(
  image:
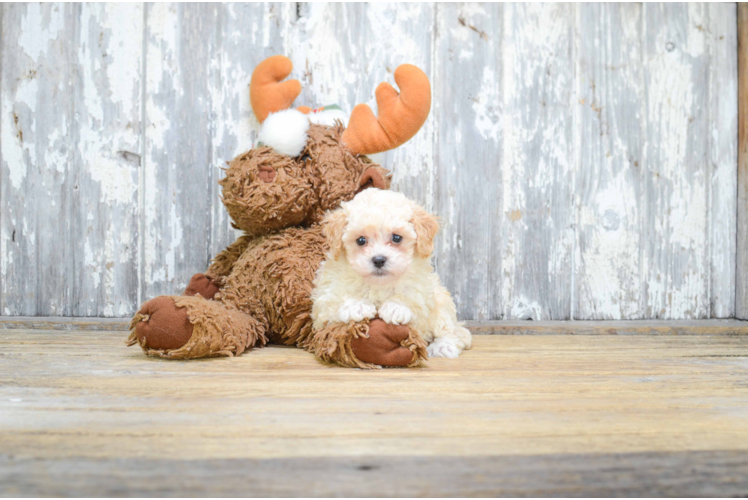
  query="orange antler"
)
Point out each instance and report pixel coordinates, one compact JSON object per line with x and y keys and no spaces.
{"x":400,"y":115}
{"x":266,"y":91}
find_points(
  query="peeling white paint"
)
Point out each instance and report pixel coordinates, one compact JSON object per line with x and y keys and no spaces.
{"x":486,"y":105}
{"x":39,"y":28}
{"x":647,"y":229}
{"x":18,"y":125}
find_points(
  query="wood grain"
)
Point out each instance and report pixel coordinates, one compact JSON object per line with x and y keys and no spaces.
{"x":582,"y":156}
{"x":710,"y":474}
{"x":71,"y":159}
{"x":722,"y":129}
{"x":537,"y":154}
{"x":38,"y":159}
{"x":590,"y":413}
{"x":676,"y":162}
{"x":180,"y":43}
{"x":741,"y":279}
{"x":608,"y":189}
{"x":467,"y":187}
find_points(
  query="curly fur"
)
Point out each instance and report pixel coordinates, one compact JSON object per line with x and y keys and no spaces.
{"x":304,"y":188}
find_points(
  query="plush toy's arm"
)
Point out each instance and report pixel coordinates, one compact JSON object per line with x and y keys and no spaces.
{"x":207,"y":285}
{"x":367,"y":344}
{"x":224,"y":261}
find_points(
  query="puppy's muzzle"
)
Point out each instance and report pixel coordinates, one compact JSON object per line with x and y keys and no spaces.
{"x":379,"y":261}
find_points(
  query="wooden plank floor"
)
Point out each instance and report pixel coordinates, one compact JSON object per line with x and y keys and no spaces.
{"x":81,"y":415}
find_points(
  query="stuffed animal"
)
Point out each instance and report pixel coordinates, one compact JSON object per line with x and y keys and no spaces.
{"x":258,"y":290}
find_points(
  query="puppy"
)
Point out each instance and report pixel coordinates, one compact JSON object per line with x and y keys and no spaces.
{"x":379,"y":265}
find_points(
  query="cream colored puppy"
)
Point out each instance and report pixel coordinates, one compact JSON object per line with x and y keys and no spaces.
{"x":379,"y":264}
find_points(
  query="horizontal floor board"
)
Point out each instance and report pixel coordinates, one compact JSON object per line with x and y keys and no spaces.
{"x":683,"y":474}
{"x":516,"y":415}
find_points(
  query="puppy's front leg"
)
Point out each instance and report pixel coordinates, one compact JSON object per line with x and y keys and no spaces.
{"x":356,"y":310}
{"x":395,"y":313}
{"x":444,"y":347}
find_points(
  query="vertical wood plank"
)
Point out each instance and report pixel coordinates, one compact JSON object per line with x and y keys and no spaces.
{"x":741,"y":279}
{"x":71,"y":128}
{"x":3,"y":238}
{"x":30,"y":33}
{"x":107,"y":156}
{"x":537,"y":234}
{"x":675,"y":231}
{"x":38,"y":143}
{"x":180,"y":47}
{"x":467,"y":181}
{"x":608,"y":187}
{"x":722,"y":124}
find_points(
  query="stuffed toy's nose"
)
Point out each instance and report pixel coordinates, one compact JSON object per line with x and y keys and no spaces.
{"x":267,"y":174}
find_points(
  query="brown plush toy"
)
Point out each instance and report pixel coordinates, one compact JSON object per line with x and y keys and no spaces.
{"x":258,"y":289}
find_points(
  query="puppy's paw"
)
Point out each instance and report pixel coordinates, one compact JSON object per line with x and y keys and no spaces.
{"x":356,"y":310}
{"x":395,"y":313}
{"x":443,"y":347}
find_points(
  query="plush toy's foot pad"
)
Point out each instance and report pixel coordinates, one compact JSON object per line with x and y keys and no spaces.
{"x":202,"y":285}
{"x":384,"y":345}
{"x":163,"y":324}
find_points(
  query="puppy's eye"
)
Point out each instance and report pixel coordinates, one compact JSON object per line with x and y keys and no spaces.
{"x":396,"y":238}
{"x":361,"y":241}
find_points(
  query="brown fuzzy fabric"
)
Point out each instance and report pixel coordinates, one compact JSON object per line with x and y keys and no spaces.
{"x":333,"y":344}
{"x":303,"y":188}
{"x":369,"y":344}
{"x":272,"y":281}
{"x":265,"y":277}
{"x":224,"y":261}
{"x":390,"y":345}
{"x":216,"y":331}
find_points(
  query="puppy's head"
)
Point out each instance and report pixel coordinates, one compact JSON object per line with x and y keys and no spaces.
{"x":380,"y":233}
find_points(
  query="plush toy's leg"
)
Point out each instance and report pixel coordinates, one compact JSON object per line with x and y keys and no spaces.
{"x":368,"y":344}
{"x":193,"y":327}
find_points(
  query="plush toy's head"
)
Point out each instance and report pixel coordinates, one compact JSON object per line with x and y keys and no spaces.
{"x":308,"y":162}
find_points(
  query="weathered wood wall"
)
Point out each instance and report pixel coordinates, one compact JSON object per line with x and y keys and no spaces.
{"x":583,"y":157}
{"x":741,"y":278}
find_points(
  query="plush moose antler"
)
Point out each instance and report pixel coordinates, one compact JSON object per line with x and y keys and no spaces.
{"x":400,"y":115}
{"x":267,"y":93}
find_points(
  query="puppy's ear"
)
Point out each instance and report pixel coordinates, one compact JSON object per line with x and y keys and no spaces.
{"x":333,"y":226}
{"x":426,"y":226}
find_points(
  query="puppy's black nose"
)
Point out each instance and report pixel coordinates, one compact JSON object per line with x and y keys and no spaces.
{"x":379,"y":261}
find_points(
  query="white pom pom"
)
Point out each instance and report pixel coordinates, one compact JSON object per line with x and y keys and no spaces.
{"x":285,"y":131}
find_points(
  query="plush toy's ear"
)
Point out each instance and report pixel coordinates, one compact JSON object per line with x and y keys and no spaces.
{"x":333,"y":226}
{"x":426,"y":226}
{"x":375,"y":177}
